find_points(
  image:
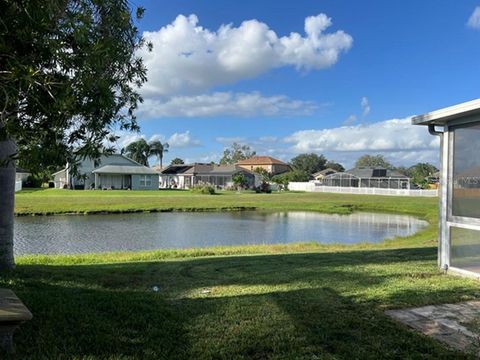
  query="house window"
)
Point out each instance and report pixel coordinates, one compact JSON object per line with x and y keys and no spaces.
{"x":145,"y":180}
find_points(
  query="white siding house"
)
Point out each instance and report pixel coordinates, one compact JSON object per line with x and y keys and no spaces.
{"x":109,"y":172}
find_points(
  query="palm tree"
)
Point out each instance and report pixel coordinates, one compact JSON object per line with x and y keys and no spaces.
{"x":157,"y":148}
{"x":139,"y":151}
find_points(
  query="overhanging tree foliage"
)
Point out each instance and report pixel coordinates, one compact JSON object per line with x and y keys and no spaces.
{"x":68,"y":78}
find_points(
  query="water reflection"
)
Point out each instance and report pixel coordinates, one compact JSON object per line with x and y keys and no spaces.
{"x":134,"y":232}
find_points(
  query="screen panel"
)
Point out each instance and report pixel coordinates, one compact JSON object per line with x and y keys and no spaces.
{"x":465,"y":249}
{"x":466,"y":171}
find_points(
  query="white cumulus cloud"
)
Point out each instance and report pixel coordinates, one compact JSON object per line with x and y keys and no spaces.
{"x":365,"y":106}
{"x":225,"y":104}
{"x":397,"y":135}
{"x":474,"y":20}
{"x":350,"y":120}
{"x":229,"y":140}
{"x":188,"y":58}
{"x":183,"y":140}
{"x":176,"y":140}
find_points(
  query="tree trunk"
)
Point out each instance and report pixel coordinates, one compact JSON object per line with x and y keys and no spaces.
{"x":7,"y":199}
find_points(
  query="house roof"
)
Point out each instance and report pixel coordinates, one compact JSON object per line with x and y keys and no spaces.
{"x":202,"y":169}
{"x":261,"y":160}
{"x":22,"y":171}
{"x":442,"y":116}
{"x":226,"y":170}
{"x":158,"y":168}
{"x":58,"y":172}
{"x":120,"y":156}
{"x":368,"y":172}
{"x":186,"y":169}
{"x":125,"y":169}
{"x":175,"y":169}
{"x":326,"y":171}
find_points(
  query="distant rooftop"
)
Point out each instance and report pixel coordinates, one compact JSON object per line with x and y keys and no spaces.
{"x":326,"y":171}
{"x":202,"y":169}
{"x":124,"y":169}
{"x":261,"y":160}
{"x":373,"y":172}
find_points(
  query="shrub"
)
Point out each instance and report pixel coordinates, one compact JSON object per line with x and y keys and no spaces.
{"x":291,"y":176}
{"x":203,"y":189}
{"x":264,"y":188}
{"x":33,"y":182}
{"x":239,"y":180}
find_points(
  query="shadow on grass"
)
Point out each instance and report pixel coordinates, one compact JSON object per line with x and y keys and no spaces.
{"x":317,"y":323}
{"x":256,"y":307}
{"x":31,"y":190}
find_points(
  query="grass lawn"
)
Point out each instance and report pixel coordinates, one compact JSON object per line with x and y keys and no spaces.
{"x":299,"y":301}
{"x":54,"y":201}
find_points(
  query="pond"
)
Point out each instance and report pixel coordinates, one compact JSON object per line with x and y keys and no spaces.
{"x":177,"y":230}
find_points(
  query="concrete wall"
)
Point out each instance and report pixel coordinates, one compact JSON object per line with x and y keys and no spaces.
{"x":312,"y":187}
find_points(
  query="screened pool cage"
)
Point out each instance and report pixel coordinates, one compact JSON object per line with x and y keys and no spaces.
{"x":349,"y":180}
{"x":458,"y":128}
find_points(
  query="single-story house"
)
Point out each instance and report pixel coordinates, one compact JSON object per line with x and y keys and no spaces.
{"x":113,"y":171}
{"x":272,"y":165}
{"x":320,"y":175}
{"x":368,"y":177}
{"x":21,"y":176}
{"x":186,"y":176}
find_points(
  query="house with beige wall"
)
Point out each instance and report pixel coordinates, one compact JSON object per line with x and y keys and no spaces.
{"x":185,"y":176}
{"x":272,"y":165}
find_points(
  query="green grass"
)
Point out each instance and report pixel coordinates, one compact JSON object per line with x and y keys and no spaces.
{"x":52,"y":201}
{"x":298,"y":301}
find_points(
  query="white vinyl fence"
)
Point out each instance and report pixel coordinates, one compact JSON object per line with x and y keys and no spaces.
{"x":18,"y":186}
{"x":315,"y":187}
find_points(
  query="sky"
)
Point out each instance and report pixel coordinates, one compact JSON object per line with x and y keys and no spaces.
{"x":333,"y":77}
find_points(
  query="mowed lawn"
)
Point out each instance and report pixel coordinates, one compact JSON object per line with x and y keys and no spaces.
{"x":299,"y":301}
{"x":54,"y":201}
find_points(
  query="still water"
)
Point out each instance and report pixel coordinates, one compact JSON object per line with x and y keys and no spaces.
{"x":148,"y":231}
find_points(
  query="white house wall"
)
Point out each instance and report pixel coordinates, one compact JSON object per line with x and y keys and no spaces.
{"x":88,"y":165}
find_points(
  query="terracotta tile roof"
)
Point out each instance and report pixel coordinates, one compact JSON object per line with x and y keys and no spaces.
{"x":261,"y":160}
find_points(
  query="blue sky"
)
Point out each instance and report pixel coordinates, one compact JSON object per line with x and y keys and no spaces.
{"x":344,"y":85}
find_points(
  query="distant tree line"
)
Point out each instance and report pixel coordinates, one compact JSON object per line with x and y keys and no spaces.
{"x":305,"y":165}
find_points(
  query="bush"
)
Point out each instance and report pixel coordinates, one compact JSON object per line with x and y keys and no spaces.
{"x":264,"y":188}
{"x":239,"y":181}
{"x":33,"y":182}
{"x":291,"y":176}
{"x":203,"y":189}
